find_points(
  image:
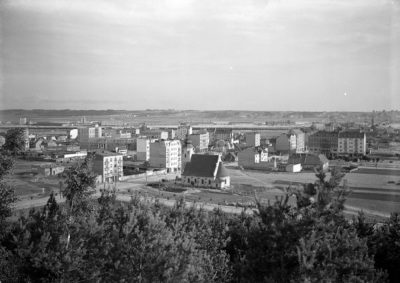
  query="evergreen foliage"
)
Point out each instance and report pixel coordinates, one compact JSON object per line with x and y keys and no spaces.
{"x":7,"y":195}
{"x":15,"y":141}
{"x":142,"y":241}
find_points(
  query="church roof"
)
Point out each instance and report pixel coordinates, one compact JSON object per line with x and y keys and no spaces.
{"x":201,"y":165}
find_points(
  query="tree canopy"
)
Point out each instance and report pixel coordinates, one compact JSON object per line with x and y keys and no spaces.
{"x":15,"y":141}
{"x":144,"y":241}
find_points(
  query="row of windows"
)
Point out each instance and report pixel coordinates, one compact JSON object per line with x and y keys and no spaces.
{"x":202,"y":181}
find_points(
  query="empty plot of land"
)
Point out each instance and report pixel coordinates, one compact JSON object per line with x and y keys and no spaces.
{"x":26,"y":181}
{"x":392,"y":172}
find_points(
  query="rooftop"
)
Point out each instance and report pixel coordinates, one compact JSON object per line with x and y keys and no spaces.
{"x":352,"y":134}
{"x":107,"y":154}
{"x":201,"y":165}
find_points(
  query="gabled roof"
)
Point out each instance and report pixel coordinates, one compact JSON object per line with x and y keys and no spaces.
{"x":201,"y":165}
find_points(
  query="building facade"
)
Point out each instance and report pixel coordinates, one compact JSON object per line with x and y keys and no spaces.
{"x":109,"y":165}
{"x":324,"y":142}
{"x":300,"y":140}
{"x":143,"y":149}
{"x":166,"y":154}
{"x":352,"y":143}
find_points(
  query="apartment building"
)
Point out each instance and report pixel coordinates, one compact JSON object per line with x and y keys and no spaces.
{"x":352,"y":143}
{"x":166,"y":154}
{"x":109,"y":165}
{"x":323,"y":142}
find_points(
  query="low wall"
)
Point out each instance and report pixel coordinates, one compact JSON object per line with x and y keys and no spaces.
{"x":143,"y":175}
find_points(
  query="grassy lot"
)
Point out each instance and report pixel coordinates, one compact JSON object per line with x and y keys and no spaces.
{"x":376,"y":205}
{"x":27,"y":182}
{"x":392,"y":172}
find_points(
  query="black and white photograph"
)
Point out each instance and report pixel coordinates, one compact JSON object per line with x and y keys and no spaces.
{"x":200,"y":141}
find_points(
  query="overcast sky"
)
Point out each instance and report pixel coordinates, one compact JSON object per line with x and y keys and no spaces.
{"x":333,"y":55}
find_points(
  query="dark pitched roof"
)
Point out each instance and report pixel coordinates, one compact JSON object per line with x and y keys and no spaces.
{"x":201,"y":165}
{"x":222,"y":171}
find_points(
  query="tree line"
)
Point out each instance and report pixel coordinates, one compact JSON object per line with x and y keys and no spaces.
{"x":103,"y":240}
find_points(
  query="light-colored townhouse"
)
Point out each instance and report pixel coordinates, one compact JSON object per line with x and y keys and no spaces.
{"x":109,"y":165}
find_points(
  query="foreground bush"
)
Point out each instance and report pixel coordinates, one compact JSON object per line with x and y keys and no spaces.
{"x":111,"y":241}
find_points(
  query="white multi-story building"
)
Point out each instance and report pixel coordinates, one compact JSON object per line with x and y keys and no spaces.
{"x":353,"y":143}
{"x":109,"y":165}
{"x":143,"y":149}
{"x":166,"y":154}
{"x":300,"y":140}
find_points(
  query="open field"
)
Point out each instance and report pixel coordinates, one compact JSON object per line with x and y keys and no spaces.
{"x":390,"y":172}
{"x":27,"y":182}
{"x":372,"y":192}
{"x":368,"y":191}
